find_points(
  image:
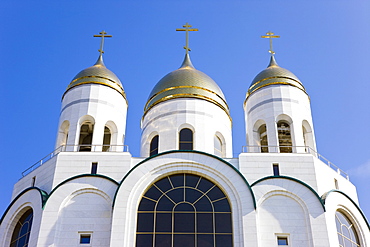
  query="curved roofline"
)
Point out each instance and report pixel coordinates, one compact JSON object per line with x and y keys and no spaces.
{"x":76,"y":177}
{"x":186,"y":151}
{"x":295,"y":180}
{"x":43,"y":195}
{"x":326,"y":194}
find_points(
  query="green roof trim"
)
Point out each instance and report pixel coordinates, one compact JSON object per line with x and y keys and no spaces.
{"x":326,"y":194}
{"x":186,"y":151}
{"x":76,"y":177}
{"x":43,"y":195}
{"x":295,"y":180}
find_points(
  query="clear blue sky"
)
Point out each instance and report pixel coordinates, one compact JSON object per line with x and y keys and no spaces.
{"x":46,"y":43}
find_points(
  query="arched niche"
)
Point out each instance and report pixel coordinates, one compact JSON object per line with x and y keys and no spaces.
{"x":86,"y":131}
{"x":260,"y":137}
{"x":63,"y":134}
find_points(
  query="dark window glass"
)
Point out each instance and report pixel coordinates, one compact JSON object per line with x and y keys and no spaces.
{"x":106,"y":139}
{"x":282,"y":240}
{"x":163,"y":240}
{"x":22,"y":230}
{"x":86,"y":134}
{"x":275,"y":168}
{"x":205,"y":240}
{"x":144,"y":240}
{"x":94,"y":167}
{"x":186,"y":139}
{"x":85,"y":238}
{"x":184,"y":240}
{"x":154,"y":146}
{"x":184,"y":214}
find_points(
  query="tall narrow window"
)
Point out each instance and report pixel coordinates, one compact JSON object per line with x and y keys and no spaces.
{"x":106,"y":139}
{"x":347,"y":235}
{"x":218,"y":146}
{"x":154,"y":146}
{"x":285,"y":139}
{"x":186,"y":139}
{"x":94,"y":168}
{"x":184,"y":210}
{"x":86,"y":134}
{"x":22,"y":230}
{"x":275,"y":169}
{"x":262,"y":131}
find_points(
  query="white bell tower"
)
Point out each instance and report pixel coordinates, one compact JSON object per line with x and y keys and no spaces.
{"x":277,"y":111}
{"x":186,"y":110}
{"x":94,"y":108}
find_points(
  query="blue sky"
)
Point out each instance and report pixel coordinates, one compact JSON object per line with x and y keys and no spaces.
{"x":46,"y":43}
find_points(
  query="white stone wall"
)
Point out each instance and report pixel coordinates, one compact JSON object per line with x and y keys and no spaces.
{"x":204,"y":118}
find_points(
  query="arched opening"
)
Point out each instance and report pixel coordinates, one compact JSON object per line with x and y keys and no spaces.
{"x":86,"y":134}
{"x":63,"y":134}
{"x":184,"y":210}
{"x":308,"y":136}
{"x":218,"y":146}
{"x":107,"y":139}
{"x":186,"y":139}
{"x":22,"y":230}
{"x":284,"y":135}
{"x":262,"y":132}
{"x":347,"y":234}
{"x":154,"y":146}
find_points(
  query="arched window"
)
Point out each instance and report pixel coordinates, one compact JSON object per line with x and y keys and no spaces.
{"x":186,"y":139}
{"x":262,"y":131}
{"x":218,"y":146}
{"x":86,"y":134}
{"x":285,"y":138}
{"x":347,"y":235}
{"x":154,"y":146}
{"x":22,"y":230}
{"x":184,"y":210}
{"x":106,"y":139}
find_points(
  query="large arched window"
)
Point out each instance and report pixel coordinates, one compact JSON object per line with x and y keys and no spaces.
{"x":262,"y":132}
{"x":347,"y":235}
{"x":184,"y":210}
{"x":22,"y":230}
{"x":186,"y":139}
{"x":154,"y":146}
{"x":106,"y":139}
{"x":285,"y":138}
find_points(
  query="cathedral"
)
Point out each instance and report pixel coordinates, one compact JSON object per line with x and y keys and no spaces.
{"x":186,"y":189}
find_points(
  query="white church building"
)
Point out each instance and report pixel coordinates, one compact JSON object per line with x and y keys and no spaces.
{"x":186,"y":189}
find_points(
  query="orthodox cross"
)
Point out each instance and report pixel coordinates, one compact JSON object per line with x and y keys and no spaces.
{"x":270,"y":35}
{"x":102,"y":35}
{"x":187,"y":29}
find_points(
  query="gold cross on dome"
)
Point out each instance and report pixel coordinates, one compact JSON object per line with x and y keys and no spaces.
{"x":187,"y":28}
{"x":102,"y":35}
{"x":270,"y":35}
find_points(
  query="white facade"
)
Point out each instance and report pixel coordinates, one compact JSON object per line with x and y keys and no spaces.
{"x":282,"y":195}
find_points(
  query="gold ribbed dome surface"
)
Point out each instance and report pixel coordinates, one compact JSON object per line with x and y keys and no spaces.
{"x":272,"y":75}
{"x":97,"y":74}
{"x":186,"y":82}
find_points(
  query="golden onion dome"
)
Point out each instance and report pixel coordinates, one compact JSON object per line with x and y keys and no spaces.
{"x":186,"y":82}
{"x":273,"y":75}
{"x":97,"y":74}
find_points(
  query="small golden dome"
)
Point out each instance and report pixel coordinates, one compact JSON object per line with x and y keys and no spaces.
{"x":97,"y":74}
{"x":186,"y":82}
{"x":273,"y":75}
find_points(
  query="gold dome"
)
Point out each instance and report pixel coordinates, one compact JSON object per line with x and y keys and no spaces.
{"x":97,"y":74}
{"x":273,"y":75}
{"x":186,"y":82}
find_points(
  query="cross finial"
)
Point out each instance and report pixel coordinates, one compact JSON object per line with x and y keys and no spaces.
{"x":102,"y":35}
{"x":270,"y":35}
{"x":187,"y":28}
